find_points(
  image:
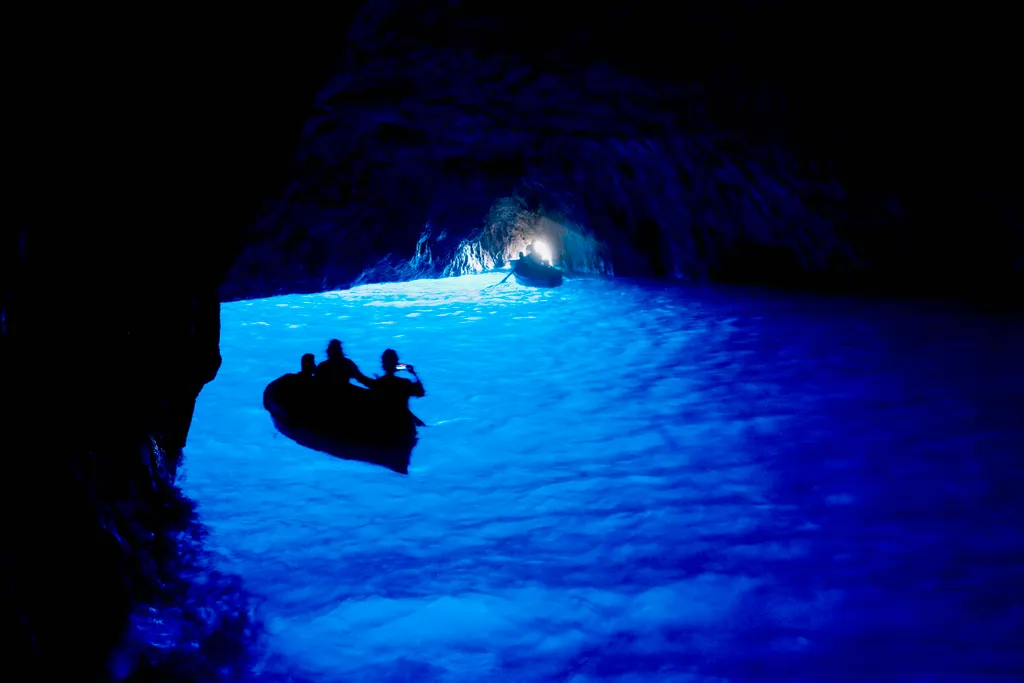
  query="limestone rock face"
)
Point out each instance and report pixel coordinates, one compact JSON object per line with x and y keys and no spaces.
{"x":438,"y":126}
{"x":718,"y":151}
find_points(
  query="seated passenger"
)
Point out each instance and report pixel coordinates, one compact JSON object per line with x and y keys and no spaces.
{"x":294,"y":394}
{"x":393,"y":393}
{"x":304,"y":382}
{"x":531,"y":255}
{"x":338,"y":370}
{"x":308,"y":366}
{"x":517,"y":263}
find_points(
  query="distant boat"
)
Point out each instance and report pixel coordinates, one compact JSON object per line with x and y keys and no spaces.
{"x":532,"y":274}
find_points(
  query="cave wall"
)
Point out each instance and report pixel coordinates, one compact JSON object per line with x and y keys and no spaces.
{"x":741,"y":145}
{"x":433,"y":121}
{"x":141,"y":146}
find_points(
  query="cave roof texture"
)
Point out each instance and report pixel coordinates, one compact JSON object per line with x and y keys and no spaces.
{"x":673,"y":135}
{"x":839,"y":136}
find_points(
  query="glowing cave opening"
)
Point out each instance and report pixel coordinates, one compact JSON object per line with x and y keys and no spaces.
{"x":511,"y":225}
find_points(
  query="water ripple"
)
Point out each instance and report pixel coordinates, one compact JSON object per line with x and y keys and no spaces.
{"x":629,"y":481}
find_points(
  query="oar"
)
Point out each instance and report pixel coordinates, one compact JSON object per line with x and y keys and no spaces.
{"x":510,"y":273}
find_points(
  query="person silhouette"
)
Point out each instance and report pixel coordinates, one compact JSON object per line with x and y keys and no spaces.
{"x":531,"y":255}
{"x":308,"y":368}
{"x":339,"y":370}
{"x":393,"y":392}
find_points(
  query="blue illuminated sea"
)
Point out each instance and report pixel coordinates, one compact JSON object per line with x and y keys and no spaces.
{"x":633,"y":482}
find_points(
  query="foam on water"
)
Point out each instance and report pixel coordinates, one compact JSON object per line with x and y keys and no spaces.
{"x":626,"y":481}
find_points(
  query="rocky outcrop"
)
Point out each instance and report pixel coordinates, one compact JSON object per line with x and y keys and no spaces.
{"x":139,"y":156}
{"x":635,"y":173}
{"x":717,"y":153}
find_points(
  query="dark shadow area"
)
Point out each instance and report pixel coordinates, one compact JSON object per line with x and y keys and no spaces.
{"x":135,"y":158}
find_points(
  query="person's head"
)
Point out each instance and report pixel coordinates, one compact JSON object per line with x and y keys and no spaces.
{"x":334,"y":349}
{"x":308,"y":364}
{"x":389,"y":360}
{"x":522,"y":255}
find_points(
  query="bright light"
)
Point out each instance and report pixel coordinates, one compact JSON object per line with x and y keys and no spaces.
{"x":543,"y":251}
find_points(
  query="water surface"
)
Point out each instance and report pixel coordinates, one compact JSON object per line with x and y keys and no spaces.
{"x":626,"y":481}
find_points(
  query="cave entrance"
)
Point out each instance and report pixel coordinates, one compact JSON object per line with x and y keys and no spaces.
{"x":513,"y":223}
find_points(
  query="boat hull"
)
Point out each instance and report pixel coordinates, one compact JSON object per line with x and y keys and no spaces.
{"x":350,"y":427}
{"x":532,"y":275}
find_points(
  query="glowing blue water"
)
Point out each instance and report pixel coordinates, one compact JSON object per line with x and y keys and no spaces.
{"x":633,"y":483}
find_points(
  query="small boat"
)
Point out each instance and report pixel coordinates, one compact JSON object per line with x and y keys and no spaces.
{"x":532,"y":274}
{"x":349,"y":424}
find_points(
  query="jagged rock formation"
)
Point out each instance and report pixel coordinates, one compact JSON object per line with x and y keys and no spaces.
{"x":715,"y":154}
{"x":436,"y":135}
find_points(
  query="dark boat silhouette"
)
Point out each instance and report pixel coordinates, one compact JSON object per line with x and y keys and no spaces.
{"x":532,"y":274}
{"x":350,"y":424}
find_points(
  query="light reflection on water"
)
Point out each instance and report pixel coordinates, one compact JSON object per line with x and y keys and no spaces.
{"x":627,"y":481}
